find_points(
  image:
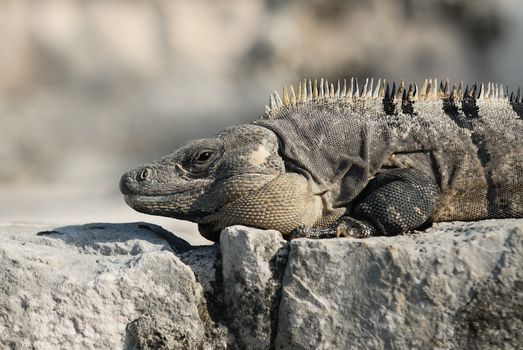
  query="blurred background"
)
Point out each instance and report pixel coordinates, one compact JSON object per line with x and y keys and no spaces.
{"x":91,"y":88}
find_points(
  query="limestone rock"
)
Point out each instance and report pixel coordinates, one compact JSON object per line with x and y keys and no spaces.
{"x":457,"y":285}
{"x":97,"y":286}
{"x":136,"y":286}
{"x":252,"y":264}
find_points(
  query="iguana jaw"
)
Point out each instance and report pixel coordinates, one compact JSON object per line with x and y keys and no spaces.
{"x":165,"y":205}
{"x":198,"y":201}
{"x":163,"y":191}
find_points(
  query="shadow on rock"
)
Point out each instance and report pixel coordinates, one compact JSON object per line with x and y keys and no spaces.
{"x":114,"y":239}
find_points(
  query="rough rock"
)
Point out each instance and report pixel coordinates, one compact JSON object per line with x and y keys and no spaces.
{"x":136,"y":286}
{"x":458,"y":285}
{"x":252,"y":263}
{"x":97,"y":286}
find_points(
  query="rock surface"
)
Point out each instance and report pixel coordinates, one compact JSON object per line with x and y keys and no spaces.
{"x":459,"y":285}
{"x":98,"y":286}
{"x":136,"y":286}
{"x":252,"y":265}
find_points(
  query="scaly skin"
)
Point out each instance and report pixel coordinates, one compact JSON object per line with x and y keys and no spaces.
{"x":331,"y":162}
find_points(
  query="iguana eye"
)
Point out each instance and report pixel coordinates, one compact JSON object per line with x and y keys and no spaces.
{"x":203,"y":157}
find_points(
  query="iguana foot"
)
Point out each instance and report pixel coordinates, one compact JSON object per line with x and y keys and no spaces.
{"x":349,"y":227}
{"x":346,"y":227}
{"x":312,"y":232}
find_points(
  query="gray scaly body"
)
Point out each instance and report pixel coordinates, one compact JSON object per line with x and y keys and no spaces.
{"x":330,"y":160}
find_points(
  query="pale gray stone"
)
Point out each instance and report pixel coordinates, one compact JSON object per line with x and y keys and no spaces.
{"x":123,"y":286}
{"x":252,"y":262}
{"x":97,"y":286}
{"x":455,"y":286}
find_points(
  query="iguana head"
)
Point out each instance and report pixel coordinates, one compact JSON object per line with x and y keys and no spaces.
{"x":231,"y":178}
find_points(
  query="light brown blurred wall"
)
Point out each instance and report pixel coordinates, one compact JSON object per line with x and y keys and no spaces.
{"x":126,"y":80}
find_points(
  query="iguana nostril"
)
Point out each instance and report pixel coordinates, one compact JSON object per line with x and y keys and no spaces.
{"x":144,"y":174}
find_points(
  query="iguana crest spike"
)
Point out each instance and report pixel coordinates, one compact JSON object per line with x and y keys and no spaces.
{"x":364,"y":90}
{"x":386,"y":96}
{"x":311,"y":90}
{"x":399,"y":93}
{"x":424,"y":88}
{"x":460,"y":90}
{"x":382,"y":88}
{"x":454,"y":92}
{"x":473,"y":90}
{"x":286,"y":99}
{"x":404,"y":96}
{"x":376,"y":92}
{"x":410,"y":93}
{"x":278,"y":99}
{"x":481,"y":93}
{"x":393,"y":91}
{"x":307,"y":88}
{"x":371,"y":88}
{"x":272,"y":102}
{"x":293,"y":95}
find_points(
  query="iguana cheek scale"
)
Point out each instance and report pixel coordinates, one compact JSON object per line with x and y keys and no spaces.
{"x":342,"y":160}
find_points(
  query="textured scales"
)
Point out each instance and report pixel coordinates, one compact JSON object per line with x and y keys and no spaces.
{"x":331,"y":159}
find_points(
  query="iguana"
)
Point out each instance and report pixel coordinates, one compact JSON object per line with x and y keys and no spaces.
{"x":331,"y":160}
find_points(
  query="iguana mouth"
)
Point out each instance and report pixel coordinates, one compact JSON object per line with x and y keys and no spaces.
{"x":149,"y":198}
{"x":164,"y":205}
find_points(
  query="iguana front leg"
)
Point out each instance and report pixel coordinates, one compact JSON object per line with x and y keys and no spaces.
{"x":394,"y":202}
